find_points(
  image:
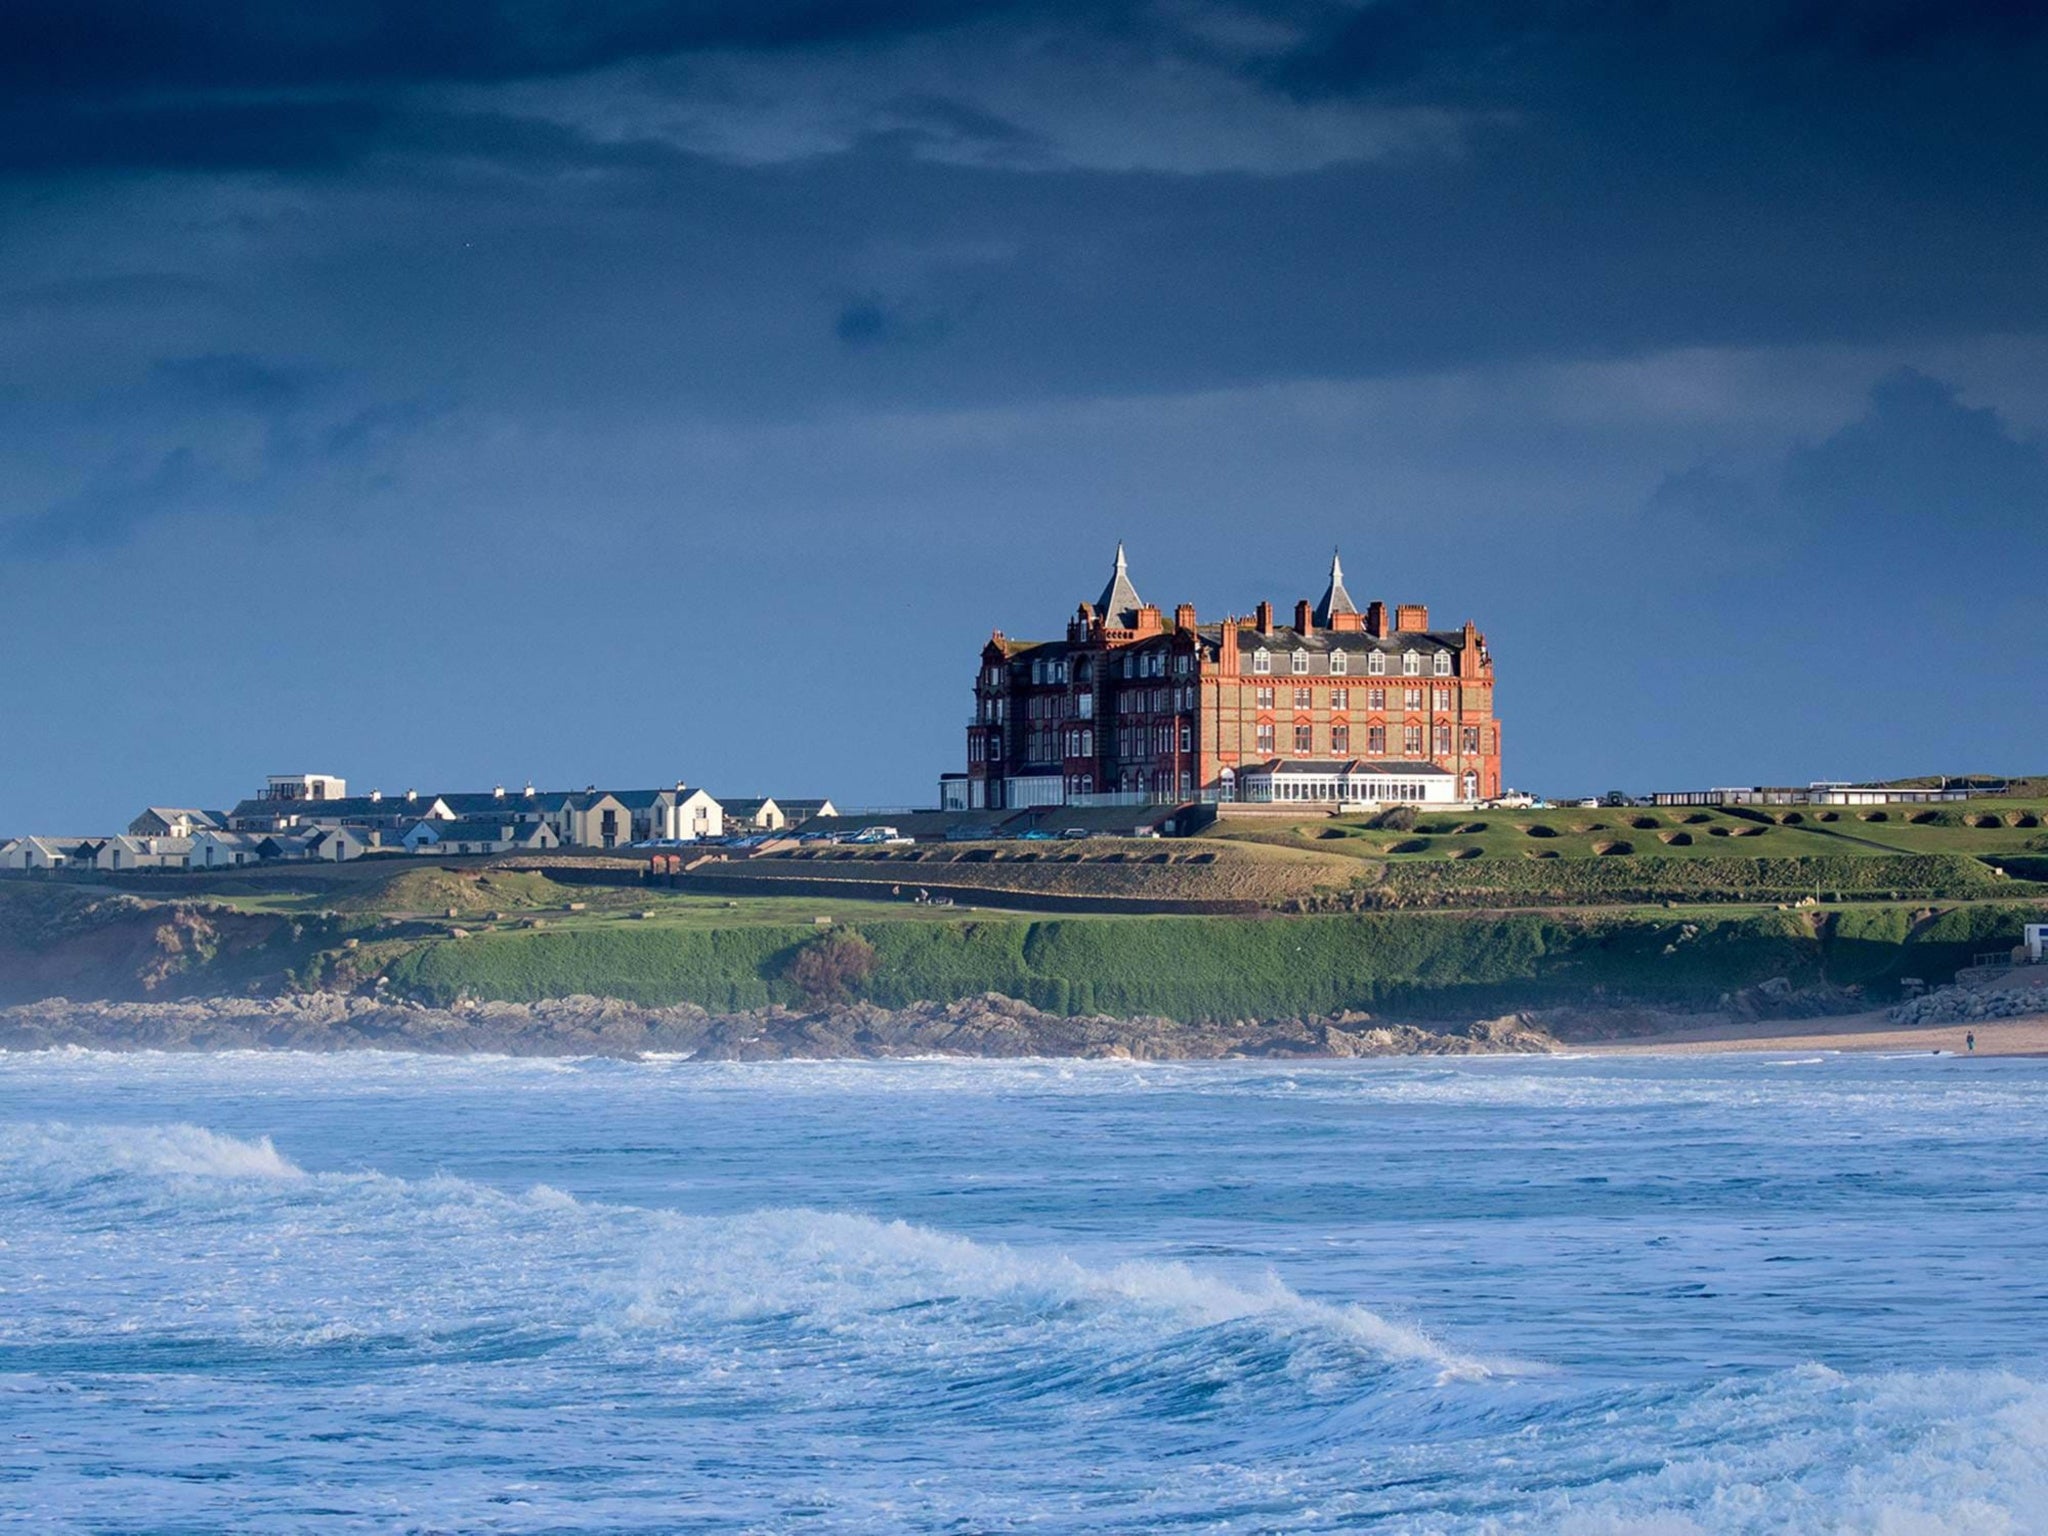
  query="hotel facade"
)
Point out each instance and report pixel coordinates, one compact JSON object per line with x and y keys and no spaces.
{"x":1345,"y":705}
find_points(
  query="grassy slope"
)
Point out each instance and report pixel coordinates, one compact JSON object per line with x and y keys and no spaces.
{"x":1202,"y":967}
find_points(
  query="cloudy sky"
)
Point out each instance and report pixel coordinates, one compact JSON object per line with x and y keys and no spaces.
{"x":623,"y":391}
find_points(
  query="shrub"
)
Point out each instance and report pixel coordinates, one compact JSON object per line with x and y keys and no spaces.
{"x":1396,"y":818}
{"x":832,"y":967}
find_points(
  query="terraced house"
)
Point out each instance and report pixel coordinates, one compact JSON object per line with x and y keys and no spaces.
{"x":1344,"y":705}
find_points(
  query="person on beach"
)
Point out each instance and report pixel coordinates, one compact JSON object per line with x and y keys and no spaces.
{"x":1970,"y":1042}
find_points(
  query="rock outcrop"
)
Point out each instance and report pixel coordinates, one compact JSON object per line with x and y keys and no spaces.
{"x":990,"y":1026}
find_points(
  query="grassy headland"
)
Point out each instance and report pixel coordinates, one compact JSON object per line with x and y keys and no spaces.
{"x":1441,"y":915}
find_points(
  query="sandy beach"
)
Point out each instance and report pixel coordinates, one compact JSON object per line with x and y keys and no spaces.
{"x":2025,"y":1036}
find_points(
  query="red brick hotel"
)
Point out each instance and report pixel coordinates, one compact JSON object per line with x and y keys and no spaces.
{"x":1343,"y":706}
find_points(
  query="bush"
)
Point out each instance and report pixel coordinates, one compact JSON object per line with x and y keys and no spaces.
{"x":832,"y":967}
{"x":1398,"y":818}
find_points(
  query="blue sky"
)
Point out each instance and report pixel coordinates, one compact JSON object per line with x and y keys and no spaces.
{"x":617,"y":393}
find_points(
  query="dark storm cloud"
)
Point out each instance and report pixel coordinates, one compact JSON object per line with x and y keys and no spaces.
{"x":1917,"y":470}
{"x":109,"y":46}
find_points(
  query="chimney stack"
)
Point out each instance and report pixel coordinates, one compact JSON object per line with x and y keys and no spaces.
{"x":1265,"y":618}
{"x":1376,"y":620}
{"x":1184,"y":616}
{"x":1411,"y":618}
{"x":1304,"y":617}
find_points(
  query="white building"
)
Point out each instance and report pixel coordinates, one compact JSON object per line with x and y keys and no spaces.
{"x":1347,"y":783}
{"x":46,"y":852}
{"x":130,"y":852}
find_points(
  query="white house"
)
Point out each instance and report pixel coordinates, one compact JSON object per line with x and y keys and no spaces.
{"x":131,"y":852}
{"x":752,"y":813}
{"x":337,"y":845}
{"x":696,"y":814}
{"x":491,"y":835}
{"x":175,"y":821}
{"x":224,"y":850}
{"x":49,"y":852}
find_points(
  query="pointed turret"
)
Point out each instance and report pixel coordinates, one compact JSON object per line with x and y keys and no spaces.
{"x":1335,"y":599}
{"x":1120,"y":602}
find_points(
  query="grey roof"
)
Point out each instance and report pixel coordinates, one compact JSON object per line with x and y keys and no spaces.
{"x":1119,"y":604}
{"x":1335,"y":598}
{"x":198,"y":818}
{"x":477,"y":830}
{"x":513,"y":803}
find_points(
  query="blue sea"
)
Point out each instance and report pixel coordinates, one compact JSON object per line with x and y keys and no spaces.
{"x":286,"y":1293}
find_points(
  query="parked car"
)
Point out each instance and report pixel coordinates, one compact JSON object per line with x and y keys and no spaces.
{"x":1074,"y":834}
{"x":1036,"y":835}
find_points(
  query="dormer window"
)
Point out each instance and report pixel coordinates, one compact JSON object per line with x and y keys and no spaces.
{"x":1301,"y":661}
{"x":1340,"y":663}
{"x":1411,"y":664}
{"x":1376,"y":663}
{"x":1262,"y":661}
{"x":1443,"y":663}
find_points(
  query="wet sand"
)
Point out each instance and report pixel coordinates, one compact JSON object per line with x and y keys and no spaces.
{"x":2025,"y":1036}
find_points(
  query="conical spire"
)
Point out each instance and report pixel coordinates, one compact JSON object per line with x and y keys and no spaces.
{"x":1335,"y":598}
{"x":1120,"y":602}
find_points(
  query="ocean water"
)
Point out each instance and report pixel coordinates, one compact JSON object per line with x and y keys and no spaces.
{"x":396,"y":1293}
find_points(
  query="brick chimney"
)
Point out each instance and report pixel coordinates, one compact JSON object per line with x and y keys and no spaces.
{"x":1226,"y":648}
{"x":1265,"y":618}
{"x":1410,"y":618}
{"x":1376,"y":620}
{"x":1184,"y":616}
{"x":1304,"y":617}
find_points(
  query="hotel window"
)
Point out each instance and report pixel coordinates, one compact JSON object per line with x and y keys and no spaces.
{"x":1266,"y":736}
{"x":1262,"y":661}
{"x":1300,"y":661}
{"x":1264,"y":698}
{"x":1376,"y":740}
{"x":1187,"y":736}
{"x":1442,"y":740}
{"x":1440,"y":698}
{"x":1340,"y":738}
{"x":1340,"y":662}
{"x":1411,"y":663}
{"x":1376,"y":663}
{"x":1469,"y":736}
{"x":1304,"y":739}
{"x":1340,"y":698}
{"x":1411,"y":698}
{"x":1443,"y":663}
{"x":1187,"y":781}
{"x":1411,"y":740}
{"x":1375,"y":698}
{"x":1303,"y":699}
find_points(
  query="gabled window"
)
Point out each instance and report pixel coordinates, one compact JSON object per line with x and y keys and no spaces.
{"x":1340,"y":662}
{"x":1443,"y":663}
{"x":1411,"y":664}
{"x":1301,"y":661}
{"x":1376,"y":663}
{"x":1262,"y":661}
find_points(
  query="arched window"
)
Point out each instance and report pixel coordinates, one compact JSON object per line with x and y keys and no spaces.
{"x":1376,"y":663}
{"x":1340,"y":663}
{"x":1411,"y":664}
{"x":1443,"y":663}
{"x":1301,"y":661}
{"x":1262,"y":661}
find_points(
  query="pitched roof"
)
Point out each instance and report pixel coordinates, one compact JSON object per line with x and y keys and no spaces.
{"x":1335,"y":598}
{"x":1119,"y":604}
